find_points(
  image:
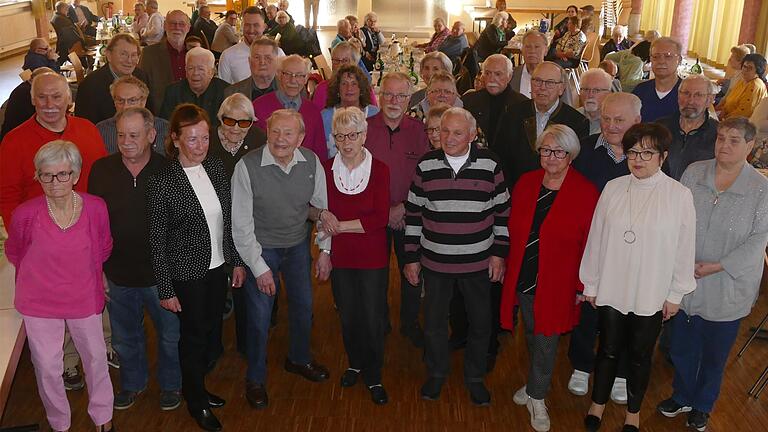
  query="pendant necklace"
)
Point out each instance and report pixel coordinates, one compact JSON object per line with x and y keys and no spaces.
{"x":629,"y":235}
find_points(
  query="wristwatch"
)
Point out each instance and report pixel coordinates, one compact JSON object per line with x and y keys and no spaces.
{"x":328,"y":251}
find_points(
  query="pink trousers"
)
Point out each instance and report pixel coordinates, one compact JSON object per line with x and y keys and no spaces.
{"x":46,"y":338}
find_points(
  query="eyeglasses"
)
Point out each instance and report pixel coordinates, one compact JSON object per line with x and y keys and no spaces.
{"x":547,"y":152}
{"x":350,"y":136}
{"x":340,"y":60}
{"x":398,"y":97}
{"x":242,"y":124}
{"x":663,"y":56}
{"x":123,"y":55}
{"x":129,"y":101}
{"x":697,"y":95}
{"x":431,"y":130}
{"x":62,"y":177}
{"x":548,"y":84}
{"x":595,"y":91}
{"x":645,"y":155}
{"x":289,"y":75}
{"x":446,"y":92}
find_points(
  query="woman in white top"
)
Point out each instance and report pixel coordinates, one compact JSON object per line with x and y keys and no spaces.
{"x":637,"y":266}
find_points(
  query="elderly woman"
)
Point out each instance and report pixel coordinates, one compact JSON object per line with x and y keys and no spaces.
{"x":236,"y":134}
{"x":64,"y":234}
{"x":289,"y":41}
{"x":569,"y":47}
{"x":731,"y":200}
{"x":617,"y":42}
{"x":732,"y":71}
{"x":493,"y":38}
{"x":759,"y":118}
{"x":637,"y":266}
{"x":348,"y":87}
{"x":432,"y":124}
{"x":372,"y":39}
{"x":440,"y":34}
{"x":358,"y":198}
{"x":430,"y":64}
{"x":744,"y":94}
{"x":141,"y":18}
{"x":190,"y":234}
{"x":548,"y":228}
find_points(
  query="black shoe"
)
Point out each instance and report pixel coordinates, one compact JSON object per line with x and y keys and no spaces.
{"x":349,"y":377}
{"x":415,"y":334}
{"x":697,"y":420}
{"x":478,"y":394}
{"x":256,"y":395}
{"x":630,"y":428}
{"x":670,"y":408}
{"x":378,"y":394}
{"x":592,"y":423}
{"x":206,"y":420}
{"x":311,"y":371}
{"x":215,"y":401}
{"x":431,"y":389}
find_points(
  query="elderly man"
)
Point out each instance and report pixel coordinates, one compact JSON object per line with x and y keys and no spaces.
{"x":693,"y":132}
{"x":341,"y":55}
{"x":234,"y":62}
{"x":534,"y":49}
{"x":612,"y":69}
{"x":130,"y":92}
{"x":270,"y":15}
{"x":263,"y":64}
{"x":152,"y":33}
{"x":343,"y":32}
{"x":204,"y":25}
{"x":69,"y":37}
{"x":601,"y":160}
{"x":121,"y":181}
{"x":271,"y":198}
{"x":200,"y":87}
{"x":399,"y":141}
{"x":291,"y":79}
{"x":462,"y":244}
{"x":83,"y":18}
{"x":489,"y":105}
{"x":226,"y":35}
{"x":372,"y":39}
{"x":93,"y":101}
{"x":456,"y":42}
{"x":40,"y":54}
{"x":595,"y":86}
{"x":525,"y":121}
{"x":659,"y":95}
{"x":141,"y":18}
{"x":51,"y":97}
{"x":164,"y":62}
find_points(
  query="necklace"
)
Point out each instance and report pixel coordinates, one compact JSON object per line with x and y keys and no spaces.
{"x":350,"y":189}
{"x":234,"y":149}
{"x":71,"y":218}
{"x":629,"y":235}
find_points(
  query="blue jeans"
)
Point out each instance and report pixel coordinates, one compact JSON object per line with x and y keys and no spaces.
{"x":126,"y":314}
{"x":294,"y":264}
{"x":699,"y":350}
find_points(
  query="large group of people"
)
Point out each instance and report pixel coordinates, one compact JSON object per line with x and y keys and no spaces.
{"x":606,"y":222}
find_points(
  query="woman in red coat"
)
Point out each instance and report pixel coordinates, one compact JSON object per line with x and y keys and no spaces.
{"x":548,"y":227}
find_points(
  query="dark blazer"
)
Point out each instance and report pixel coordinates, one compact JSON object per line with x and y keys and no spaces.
{"x":178,"y":232}
{"x":517,"y":76}
{"x":479,"y":103}
{"x":94,"y":102}
{"x":516,"y":137}
{"x":89,"y":16}
{"x":18,"y":109}
{"x":34,"y":60}
{"x":207,"y":28}
{"x":290,"y":41}
{"x":489,"y":43}
{"x":67,"y":34}
{"x":156,"y":62}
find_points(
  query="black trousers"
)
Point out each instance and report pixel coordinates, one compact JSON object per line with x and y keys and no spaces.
{"x":460,"y":324}
{"x":637,"y":335}
{"x":581,"y":350}
{"x":360,"y":296}
{"x":202,"y":303}
{"x":410,"y":295}
{"x":476,"y":290}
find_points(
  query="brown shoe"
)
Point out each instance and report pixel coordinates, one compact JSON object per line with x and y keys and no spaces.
{"x":256,"y":394}
{"x":311,"y":371}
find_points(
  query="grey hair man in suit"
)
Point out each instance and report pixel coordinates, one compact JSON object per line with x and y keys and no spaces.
{"x":164,"y":62}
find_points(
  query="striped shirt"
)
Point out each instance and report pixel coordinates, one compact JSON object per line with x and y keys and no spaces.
{"x":456,"y":221}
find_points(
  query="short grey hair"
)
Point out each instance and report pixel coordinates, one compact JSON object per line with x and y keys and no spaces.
{"x":501,"y":58}
{"x":286,"y":113}
{"x":396,"y":76}
{"x":439,"y":77}
{"x":535,"y":33}
{"x":58,"y":77}
{"x":596,"y":74}
{"x":563,"y":136}
{"x":498,"y":17}
{"x":438,"y":20}
{"x":341,"y":22}
{"x":58,"y":151}
{"x":237,"y":101}
{"x":457,"y":111}
{"x":371,"y":15}
{"x":347,"y":46}
{"x":152,"y":3}
{"x":440,"y":57}
{"x":669,"y":40}
{"x":619,"y":30}
{"x":129,"y":80}
{"x":629,"y":99}
{"x":146,"y":115}
{"x":282,"y":13}
{"x":200,"y":52}
{"x":349,"y":117}
{"x":60,"y":4}
{"x":294,"y":58}
{"x":712,"y":87}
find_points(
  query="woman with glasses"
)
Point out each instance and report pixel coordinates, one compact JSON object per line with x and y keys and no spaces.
{"x":348,"y":87}
{"x":548,"y":226}
{"x":236,"y":134}
{"x":747,"y":92}
{"x":432,"y":125}
{"x":57,"y":243}
{"x":637,"y":266}
{"x":358,"y":198}
{"x":430,"y":64}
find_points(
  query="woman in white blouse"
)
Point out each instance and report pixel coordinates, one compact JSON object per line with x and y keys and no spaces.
{"x":637,"y":266}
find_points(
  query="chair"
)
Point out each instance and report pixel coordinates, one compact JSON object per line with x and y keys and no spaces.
{"x":573,"y":78}
{"x":471,"y":38}
{"x":589,"y":51}
{"x":322,"y":66}
{"x":77,"y":65}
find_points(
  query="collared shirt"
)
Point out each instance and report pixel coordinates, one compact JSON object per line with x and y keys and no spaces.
{"x":233,"y":64}
{"x":542,"y":118}
{"x":594,"y":125}
{"x":108,"y":131}
{"x":525,"y":83}
{"x":288,"y":102}
{"x":602,"y":142}
{"x":178,"y":62}
{"x":354,"y":181}
{"x":80,"y":16}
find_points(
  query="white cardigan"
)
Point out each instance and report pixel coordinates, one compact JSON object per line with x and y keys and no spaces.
{"x":659,"y":265}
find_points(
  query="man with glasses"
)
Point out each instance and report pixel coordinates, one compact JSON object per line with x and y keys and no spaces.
{"x":659,"y":95}
{"x":534,"y":50}
{"x":93,"y":101}
{"x":524,"y":122}
{"x":130,"y":92}
{"x":292,"y":76}
{"x":595,"y":85}
{"x":235,"y":62}
{"x":341,"y":55}
{"x":399,"y":141}
{"x":164,"y":61}
{"x":693,"y":132}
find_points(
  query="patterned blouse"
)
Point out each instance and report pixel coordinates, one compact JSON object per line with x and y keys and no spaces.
{"x":573,"y":42}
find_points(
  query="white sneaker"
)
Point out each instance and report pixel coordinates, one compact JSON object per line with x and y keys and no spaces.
{"x":521,"y":396}
{"x":619,"y":391}
{"x":539,"y":415}
{"x":579,"y":383}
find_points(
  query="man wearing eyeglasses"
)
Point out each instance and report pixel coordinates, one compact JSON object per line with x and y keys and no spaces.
{"x":93,"y":99}
{"x":292,"y":76}
{"x":659,"y":95}
{"x":341,"y":55}
{"x":235,"y":64}
{"x":130,"y":92}
{"x":524,"y":122}
{"x":399,"y":141}
{"x":164,"y":61}
{"x":595,"y":85}
{"x":693,"y":132}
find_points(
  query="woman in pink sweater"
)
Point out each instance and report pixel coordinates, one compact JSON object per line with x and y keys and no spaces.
{"x":58,"y":243}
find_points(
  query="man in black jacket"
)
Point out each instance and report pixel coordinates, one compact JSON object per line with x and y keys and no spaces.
{"x":83,"y":18}
{"x":204,"y":25}
{"x":69,"y":37}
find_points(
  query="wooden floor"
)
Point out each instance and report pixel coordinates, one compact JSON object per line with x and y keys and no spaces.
{"x":299,"y":405}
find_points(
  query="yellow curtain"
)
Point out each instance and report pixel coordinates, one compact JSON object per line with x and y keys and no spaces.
{"x":657,"y":15}
{"x":761,"y":35}
{"x":715,"y":29}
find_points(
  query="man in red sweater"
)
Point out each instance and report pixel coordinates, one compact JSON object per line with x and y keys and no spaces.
{"x":51,"y":97}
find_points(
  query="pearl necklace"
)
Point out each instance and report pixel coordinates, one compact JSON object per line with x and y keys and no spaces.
{"x":71,"y":219}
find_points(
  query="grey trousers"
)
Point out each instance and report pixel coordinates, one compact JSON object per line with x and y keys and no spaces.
{"x":542,"y":351}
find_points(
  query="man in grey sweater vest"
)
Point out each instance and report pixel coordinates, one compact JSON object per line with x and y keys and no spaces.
{"x":273,"y":188}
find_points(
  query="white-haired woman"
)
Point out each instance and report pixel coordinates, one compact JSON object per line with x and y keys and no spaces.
{"x":236,"y":134}
{"x":494,"y":37}
{"x":358,"y":197}
{"x":58,"y":243}
{"x":430,"y":64}
{"x":372,"y":39}
{"x":548,"y":229}
{"x":440,"y":34}
{"x":617,"y":42}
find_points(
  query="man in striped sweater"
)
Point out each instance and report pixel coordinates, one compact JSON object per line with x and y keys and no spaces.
{"x":456,"y":232}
